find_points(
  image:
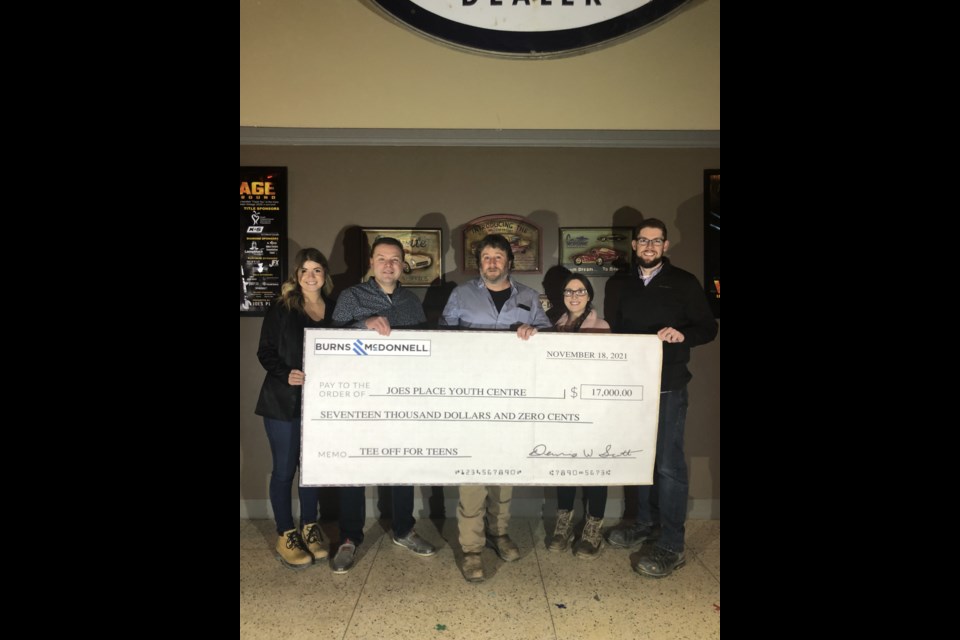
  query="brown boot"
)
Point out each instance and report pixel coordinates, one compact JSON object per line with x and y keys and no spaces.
{"x":505,"y":547}
{"x":293,"y":552}
{"x":313,"y":538}
{"x":591,"y":541}
{"x":472,"y":567}
{"x":563,"y":532}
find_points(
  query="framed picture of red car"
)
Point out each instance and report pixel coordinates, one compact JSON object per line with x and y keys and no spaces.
{"x":422,"y":254}
{"x":595,"y":251}
{"x":523,"y":236}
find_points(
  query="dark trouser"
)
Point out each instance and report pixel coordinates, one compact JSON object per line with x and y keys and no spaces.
{"x":596,"y":499}
{"x":353,"y":511}
{"x":665,"y":501}
{"x":284,"y":440}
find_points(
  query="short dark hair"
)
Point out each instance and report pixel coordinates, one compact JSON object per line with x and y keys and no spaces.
{"x":393,"y":242}
{"x":652,"y":223}
{"x":496,"y":241}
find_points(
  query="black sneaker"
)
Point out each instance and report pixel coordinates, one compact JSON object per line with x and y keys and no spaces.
{"x":346,"y":557}
{"x":659,"y":562}
{"x":630,"y":537}
{"x":415,"y":543}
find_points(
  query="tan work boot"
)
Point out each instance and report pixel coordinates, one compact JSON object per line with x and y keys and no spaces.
{"x":313,"y":538}
{"x":591,"y":541}
{"x":504,"y":546}
{"x":472,"y":567}
{"x":564,"y":531}
{"x":293,"y":552}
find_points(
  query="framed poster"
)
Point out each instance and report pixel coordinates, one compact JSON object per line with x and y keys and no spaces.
{"x":595,"y":251}
{"x":422,"y":255}
{"x":523,"y":236}
{"x":263,"y":237}
{"x":711,"y":238}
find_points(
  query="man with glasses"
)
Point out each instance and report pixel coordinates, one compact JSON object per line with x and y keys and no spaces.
{"x":492,"y":301}
{"x":669,"y":302}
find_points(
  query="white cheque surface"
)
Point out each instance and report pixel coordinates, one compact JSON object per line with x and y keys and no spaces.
{"x":479,"y":407}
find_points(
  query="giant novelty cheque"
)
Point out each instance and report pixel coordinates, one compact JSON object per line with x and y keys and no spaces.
{"x":479,"y":407}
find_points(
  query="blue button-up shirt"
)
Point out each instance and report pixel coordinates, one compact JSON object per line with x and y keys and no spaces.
{"x":471,"y":307}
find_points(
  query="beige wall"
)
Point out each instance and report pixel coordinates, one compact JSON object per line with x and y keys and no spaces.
{"x":335,"y":188}
{"x":342,"y":64}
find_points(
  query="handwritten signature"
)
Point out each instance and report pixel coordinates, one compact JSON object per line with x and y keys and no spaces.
{"x":542,"y":451}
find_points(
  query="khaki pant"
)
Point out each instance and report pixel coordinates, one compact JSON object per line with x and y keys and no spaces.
{"x":475,"y":501}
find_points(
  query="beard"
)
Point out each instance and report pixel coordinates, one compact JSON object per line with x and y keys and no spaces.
{"x":490,"y":279}
{"x":651,"y":263}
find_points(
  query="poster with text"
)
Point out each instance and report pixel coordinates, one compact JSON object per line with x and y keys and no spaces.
{"x":263,"y":237}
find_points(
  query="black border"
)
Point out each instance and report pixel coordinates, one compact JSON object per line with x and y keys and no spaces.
{"x":526,"y":43}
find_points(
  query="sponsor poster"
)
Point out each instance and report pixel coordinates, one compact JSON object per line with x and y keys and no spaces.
{"x":479,"y":407}
{"x":263,"y":237}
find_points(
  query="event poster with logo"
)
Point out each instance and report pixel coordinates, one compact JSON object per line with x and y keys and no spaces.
{"x":263,"y":237}
{"x":596,"y":251}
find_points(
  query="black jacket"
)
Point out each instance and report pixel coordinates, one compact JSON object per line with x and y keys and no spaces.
{"x":674,"y":298}
{"x":280,"y":351}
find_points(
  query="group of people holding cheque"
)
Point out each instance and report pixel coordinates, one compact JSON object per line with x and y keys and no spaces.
{"x":660,"y":299}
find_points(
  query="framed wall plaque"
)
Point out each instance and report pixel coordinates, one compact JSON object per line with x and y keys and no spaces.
{"x":523,"y":236}
{"x":596,"y":251}
{"x":422,"y":260}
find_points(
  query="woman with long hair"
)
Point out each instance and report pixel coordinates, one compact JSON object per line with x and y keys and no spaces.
{"x":582,"y":317}
{"x":303,"y":302}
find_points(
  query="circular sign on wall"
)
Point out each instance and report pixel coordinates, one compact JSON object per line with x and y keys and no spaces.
{"x":528,"y":28}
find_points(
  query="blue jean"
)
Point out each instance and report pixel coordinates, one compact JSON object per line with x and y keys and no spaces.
{"x":353,"y":512}
{"x":284,"y":440}
{"x":596,"y":498}
{"x":665,"y":501}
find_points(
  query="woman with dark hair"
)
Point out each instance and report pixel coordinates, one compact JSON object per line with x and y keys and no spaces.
{"x":580,"y":316}
{"x":303,"y":302}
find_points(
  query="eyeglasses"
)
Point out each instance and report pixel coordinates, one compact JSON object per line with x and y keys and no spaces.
{"x":642,"y":242}
{"x":569,"y":293}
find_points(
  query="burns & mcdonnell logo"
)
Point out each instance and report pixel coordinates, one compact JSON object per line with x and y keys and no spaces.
{"x":358,"y":347}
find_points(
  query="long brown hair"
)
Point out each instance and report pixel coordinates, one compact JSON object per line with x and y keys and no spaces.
{"x":291,"y":296}
{"x":576,"y":324}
